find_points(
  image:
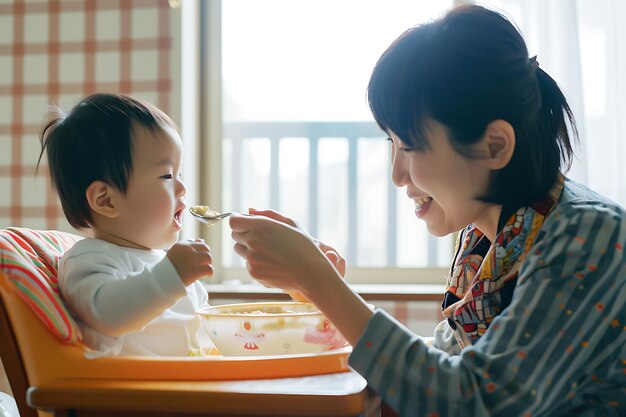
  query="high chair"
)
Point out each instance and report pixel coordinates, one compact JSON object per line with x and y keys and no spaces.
{"x":44,"y":359}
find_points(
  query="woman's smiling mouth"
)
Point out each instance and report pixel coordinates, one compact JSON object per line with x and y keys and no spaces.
{"x":422,"y":204}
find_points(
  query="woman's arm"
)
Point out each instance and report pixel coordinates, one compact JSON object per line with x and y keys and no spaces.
{"x":280,"y":255}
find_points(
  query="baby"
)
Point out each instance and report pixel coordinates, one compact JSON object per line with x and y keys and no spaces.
{"x":116,"y":162}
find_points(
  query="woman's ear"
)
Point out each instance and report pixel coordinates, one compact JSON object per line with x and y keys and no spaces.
{"x":101,"y":199}
{"x":497,"y":144}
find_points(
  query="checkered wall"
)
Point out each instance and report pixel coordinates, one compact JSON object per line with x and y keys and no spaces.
{"x":57,"y":51}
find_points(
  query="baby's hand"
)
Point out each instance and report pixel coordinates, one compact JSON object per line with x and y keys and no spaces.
{"x":191,"y":259}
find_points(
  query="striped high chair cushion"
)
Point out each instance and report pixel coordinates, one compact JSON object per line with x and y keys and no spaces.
{"x":30,"y":259}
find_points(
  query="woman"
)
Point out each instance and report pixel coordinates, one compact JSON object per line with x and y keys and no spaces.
{"x":534,"y":311}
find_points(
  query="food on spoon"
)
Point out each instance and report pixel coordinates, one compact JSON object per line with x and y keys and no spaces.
{"x":203,"y":211}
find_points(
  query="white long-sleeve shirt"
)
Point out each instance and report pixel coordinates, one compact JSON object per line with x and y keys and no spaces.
{"x":131,"y":301}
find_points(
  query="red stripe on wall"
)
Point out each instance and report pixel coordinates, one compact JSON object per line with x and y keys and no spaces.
{"x":100,"y":45}
{"x":18,"y":112}
{"x":75,"y":6}
{"x":164,"y":57}
{"x":26,"y":129}
{"x":25,"y":170}
{"x":89,"y":48}
{"x":54,"y":7}
{"x":126,"y":84}
{"x":67,"y":88}
{"x":25,"y":212}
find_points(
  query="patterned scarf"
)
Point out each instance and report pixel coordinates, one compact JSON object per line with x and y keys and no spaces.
{"x":483,"y":275}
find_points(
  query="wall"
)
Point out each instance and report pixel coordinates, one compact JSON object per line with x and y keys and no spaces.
{"x":55,"y":52}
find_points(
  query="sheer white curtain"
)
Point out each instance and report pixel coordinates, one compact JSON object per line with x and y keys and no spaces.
{"x":582,"y":45}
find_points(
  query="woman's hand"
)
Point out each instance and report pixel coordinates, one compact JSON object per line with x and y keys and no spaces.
{"x":277,"y":252}
{"x":331,"y":253}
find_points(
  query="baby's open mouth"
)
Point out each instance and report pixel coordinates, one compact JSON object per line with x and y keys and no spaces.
{"x":178,"y":217}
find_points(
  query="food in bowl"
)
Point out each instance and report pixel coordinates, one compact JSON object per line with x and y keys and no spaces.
{"x":278,"y":328}
{"x":298,"y":296}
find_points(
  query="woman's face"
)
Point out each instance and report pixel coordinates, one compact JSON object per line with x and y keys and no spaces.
{"x":443,"y":183}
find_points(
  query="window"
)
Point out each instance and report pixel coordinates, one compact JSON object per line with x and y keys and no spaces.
{"x":296,"y":134}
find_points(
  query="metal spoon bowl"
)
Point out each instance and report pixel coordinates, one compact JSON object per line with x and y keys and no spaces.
{"x":209,"y":220}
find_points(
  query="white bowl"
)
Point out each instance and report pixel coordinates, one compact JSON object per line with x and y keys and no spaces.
{"x":276,"y":328}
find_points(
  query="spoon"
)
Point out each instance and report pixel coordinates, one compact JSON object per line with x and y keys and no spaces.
{"x":209,"y":217}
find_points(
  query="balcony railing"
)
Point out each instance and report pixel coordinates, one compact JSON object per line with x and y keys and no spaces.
{"x":237,"y":137}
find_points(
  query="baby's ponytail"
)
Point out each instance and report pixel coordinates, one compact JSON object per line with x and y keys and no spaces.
{"x":55,"y":118}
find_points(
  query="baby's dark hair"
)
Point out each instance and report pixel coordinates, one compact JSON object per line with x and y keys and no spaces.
{"x":465,"y":70}
{"x":94,"y":142}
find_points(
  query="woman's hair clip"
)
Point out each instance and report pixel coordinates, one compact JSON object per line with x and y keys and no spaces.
{"x":534,"y":62}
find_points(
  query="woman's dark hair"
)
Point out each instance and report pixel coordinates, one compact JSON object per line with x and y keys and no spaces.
{"x":465,"y":70}
{"x":94,"y":142}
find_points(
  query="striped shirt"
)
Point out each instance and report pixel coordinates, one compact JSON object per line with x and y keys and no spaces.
{"x":558,"y":349}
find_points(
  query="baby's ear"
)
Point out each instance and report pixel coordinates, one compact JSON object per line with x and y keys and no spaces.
{"x":101,"y":199}
{"x":498,"y":144}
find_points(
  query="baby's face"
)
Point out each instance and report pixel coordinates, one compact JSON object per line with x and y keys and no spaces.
{"x":150,"y":213}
